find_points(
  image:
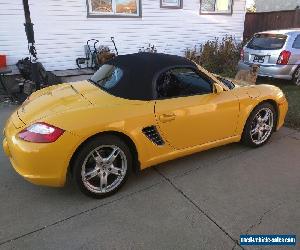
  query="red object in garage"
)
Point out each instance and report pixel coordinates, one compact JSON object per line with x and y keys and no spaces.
{"x":2,"y":61}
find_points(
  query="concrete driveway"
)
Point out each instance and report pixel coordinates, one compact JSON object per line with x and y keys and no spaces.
{"x":204,"y":201}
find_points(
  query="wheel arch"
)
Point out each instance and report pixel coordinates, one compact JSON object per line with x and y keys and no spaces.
{"x":295,"y":70}
{"x":129,"y":142}
{"x":270,"y":101}
{"x":297,"y":67}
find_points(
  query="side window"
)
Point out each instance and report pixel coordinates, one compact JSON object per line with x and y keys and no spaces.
{"x":296,"y":43}
{"x":182,"y":82}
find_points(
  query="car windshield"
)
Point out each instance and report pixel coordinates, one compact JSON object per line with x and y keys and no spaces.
{"x":267,"y":41}
{"x":107,"y":76}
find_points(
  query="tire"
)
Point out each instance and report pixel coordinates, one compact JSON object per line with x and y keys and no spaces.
{"x":296,"y":77}
{"x":102,"y":166}
{"x":260,"y":125}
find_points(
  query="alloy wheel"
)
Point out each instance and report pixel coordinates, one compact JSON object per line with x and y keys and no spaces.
{"x":103,"y":169}
{"x":262,"y":126}
{"x":297,"y":77}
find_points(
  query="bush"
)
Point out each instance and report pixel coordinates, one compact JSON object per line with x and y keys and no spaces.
{"x":218,"y":56}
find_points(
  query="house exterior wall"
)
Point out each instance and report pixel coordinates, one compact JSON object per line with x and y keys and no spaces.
{"x":276,"y":5}
{"x":62,"y":28}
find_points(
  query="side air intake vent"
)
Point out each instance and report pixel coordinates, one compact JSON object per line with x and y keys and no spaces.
{"x":153,"y":135}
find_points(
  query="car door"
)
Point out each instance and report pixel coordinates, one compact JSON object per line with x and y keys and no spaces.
{"x":193,"y":114}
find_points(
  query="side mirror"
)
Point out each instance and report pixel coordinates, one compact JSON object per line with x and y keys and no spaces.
{"x":218,"y":88}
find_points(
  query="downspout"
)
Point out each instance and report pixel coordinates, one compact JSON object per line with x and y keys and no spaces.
{"x":31,"y":44}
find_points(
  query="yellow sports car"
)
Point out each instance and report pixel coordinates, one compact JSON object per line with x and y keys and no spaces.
{"x":136,"y":111}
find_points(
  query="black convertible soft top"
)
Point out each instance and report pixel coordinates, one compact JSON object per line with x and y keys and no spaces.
{"x":139,"y":71}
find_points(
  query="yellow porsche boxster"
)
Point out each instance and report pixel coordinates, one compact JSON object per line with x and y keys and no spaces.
{"x":136,"y":111}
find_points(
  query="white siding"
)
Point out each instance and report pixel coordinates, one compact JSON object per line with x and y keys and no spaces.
{"x":62,"y":28}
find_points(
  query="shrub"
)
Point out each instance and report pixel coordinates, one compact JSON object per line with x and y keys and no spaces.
{"x":217,"y":56}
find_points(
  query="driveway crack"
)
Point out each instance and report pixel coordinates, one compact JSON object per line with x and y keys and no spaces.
{"x":234,"y":246}
{"x":261,"y":218}
{"x":198,"y":208}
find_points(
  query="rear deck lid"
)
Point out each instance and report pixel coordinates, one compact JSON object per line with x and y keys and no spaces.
{"x":54,"y":99}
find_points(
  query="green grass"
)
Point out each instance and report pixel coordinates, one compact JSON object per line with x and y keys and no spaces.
{"x":292,"y":93}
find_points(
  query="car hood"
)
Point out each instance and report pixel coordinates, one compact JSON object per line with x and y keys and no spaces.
{"x":61,"y":98}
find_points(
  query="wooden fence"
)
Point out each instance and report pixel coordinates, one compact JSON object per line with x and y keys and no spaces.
{"x":261,"y":21}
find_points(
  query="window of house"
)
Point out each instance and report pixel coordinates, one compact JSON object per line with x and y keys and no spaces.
{"x":216,"y":6}
{"x":171,"y":4}
{"x":296,"y":44}
{"x":121,"y":8}
{"x":182,"y":82}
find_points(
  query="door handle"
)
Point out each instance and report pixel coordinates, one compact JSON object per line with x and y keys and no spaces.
{"x":167,"y":117}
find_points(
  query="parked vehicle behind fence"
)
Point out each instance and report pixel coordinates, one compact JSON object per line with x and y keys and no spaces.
{"x":277,"y":52}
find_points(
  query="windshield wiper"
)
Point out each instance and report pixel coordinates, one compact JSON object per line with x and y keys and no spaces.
{"x":93,"y":82}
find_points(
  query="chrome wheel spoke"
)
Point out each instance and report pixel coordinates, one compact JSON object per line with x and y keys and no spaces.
{"x":97,"y":157}
{"x":258,"y":118}
{"x":254,"y":131}
{"x":115,"y":171}
{"x":266,"y":117}
{"x":111,"y":158}
{"x":103,"y":181}
{"x":267,"y":127}
{"x":260,"y":135}
{"x":89,"y":175}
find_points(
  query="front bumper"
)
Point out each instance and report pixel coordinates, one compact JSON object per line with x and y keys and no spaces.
{"x":276,"y":71}
{"x":282,"y":111}
{"x":39,"y":163}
